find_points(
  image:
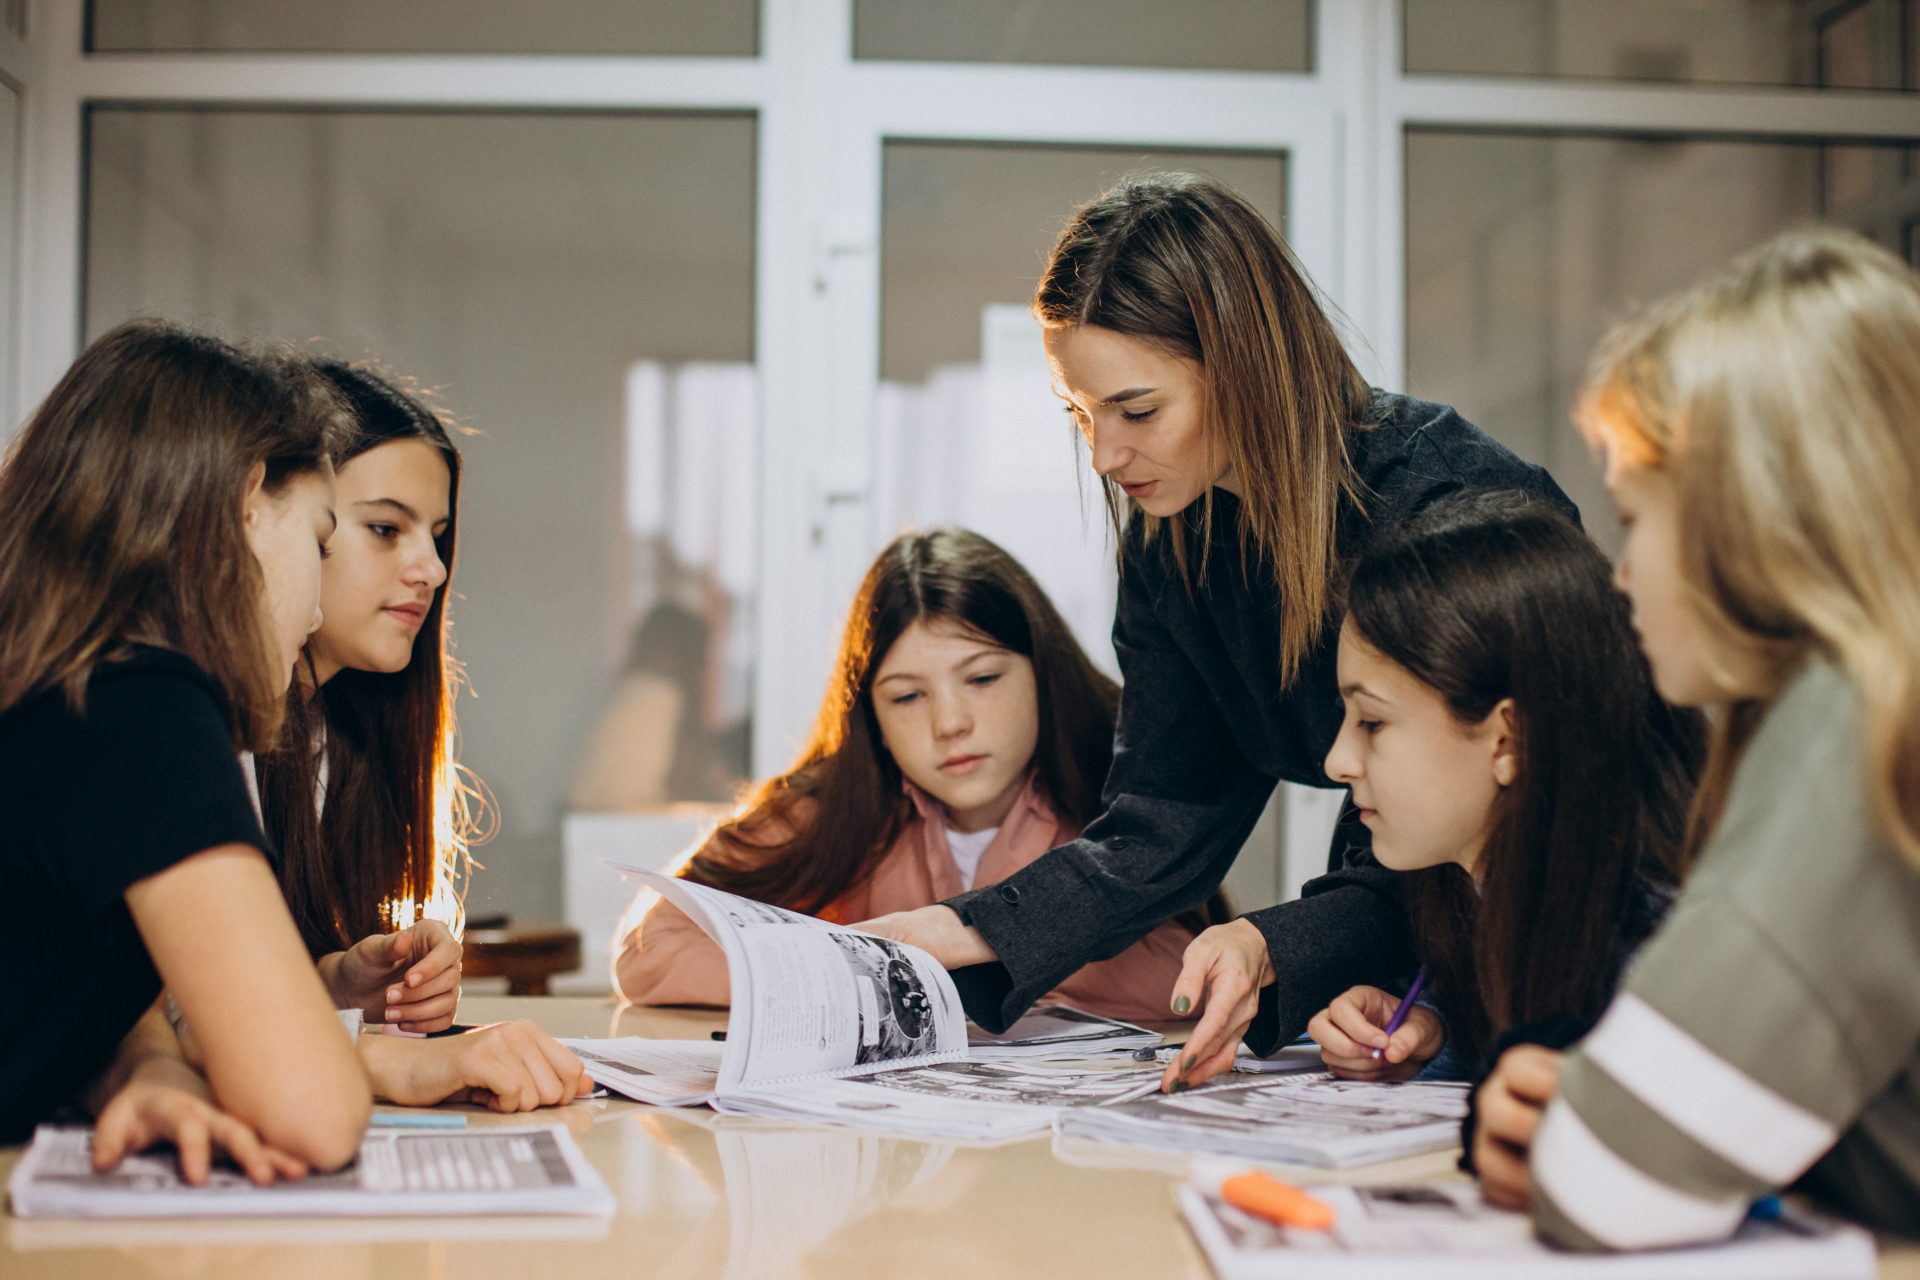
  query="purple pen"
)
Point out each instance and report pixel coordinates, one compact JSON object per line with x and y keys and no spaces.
{"x":1406,"y":1007}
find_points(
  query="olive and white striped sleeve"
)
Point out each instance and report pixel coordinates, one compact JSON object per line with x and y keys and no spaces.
{"x":1777,"y":1004}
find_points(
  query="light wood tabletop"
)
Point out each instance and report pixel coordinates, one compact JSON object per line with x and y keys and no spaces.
{"x":707,"y":1195}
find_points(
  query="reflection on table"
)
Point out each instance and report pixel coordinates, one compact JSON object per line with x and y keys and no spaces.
{"x":702,"y":1194}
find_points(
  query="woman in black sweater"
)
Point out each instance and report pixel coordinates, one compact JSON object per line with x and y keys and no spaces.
{"x":1245,"y":461}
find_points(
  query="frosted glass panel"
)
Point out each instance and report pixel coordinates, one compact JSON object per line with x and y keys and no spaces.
{"x":1862,"y":45}
{"x":427,"y":26}
{"x":1239,"y":35}
{"x":1523,"y":249}
{"x":578,"y":290}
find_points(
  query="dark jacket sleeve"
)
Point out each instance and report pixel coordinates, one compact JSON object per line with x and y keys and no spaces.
{"x":1347,"y":928}
{"x":1180,"y":800}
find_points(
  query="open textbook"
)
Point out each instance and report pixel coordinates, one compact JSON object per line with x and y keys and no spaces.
{"x":815,"y":1002}
{"x":482,"y":1171}
{"x":1445,"y":1231}
{"x":1308,"y":1118}
{"x":811,"y":1001}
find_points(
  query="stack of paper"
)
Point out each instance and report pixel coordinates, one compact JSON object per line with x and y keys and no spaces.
{"x":1310,"y":1119}
{"x":482,"y":1171}
{"x":972,"y":1101}
{"x":1057,"y":1031}
{"x":1445,"y":1231}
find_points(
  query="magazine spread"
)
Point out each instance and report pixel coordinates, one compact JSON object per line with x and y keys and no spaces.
{"x":1443,"y":1230}
{"x":1307,"y":1119}
{"x":980,"y":1101}
{"x":814,"y":1002}
{"x":481,"y":1171}
{"x":811,"y":1001}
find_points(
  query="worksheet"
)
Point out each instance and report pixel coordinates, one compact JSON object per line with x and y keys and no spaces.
{"x":478,"y":1171}
{"x":1307,"y":1118}
{"x":1443,"y":1230}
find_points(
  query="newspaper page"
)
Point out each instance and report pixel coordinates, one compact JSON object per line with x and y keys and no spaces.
{"x":481,"y":1171}
{"x":1310,"y":1119}
{"x":812,"y":999}
{"x":972,"y":1101}
{"x":1058,"y":1031}
{"x":1445,"y":1231}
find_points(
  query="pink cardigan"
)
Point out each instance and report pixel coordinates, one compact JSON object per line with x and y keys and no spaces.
{"x":667,"y":959}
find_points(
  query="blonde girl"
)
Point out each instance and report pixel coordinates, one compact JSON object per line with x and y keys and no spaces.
{"x":1761,"y":436}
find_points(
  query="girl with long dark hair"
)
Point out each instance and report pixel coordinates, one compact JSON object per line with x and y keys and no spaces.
{"x":1506,"y":750}
{"x":964,"y":734}
{"x":163,"y":516}
{"x":363,"y":798}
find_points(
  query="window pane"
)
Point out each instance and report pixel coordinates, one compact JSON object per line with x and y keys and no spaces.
{"x":427,"y":26}
{"x":577,"y":289}
{"x":1523,"y":249}
{"x":968,"y":431}
{"x":1776,"y":42}
{"x":1239,"y":35}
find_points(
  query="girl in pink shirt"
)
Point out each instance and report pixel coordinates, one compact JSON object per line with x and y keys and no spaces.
{"x":964,"y":734}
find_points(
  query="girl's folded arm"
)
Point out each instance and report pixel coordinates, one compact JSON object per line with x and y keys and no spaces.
{"x":274,"y":1053}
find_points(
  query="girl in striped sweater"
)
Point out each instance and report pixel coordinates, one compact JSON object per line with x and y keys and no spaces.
{"x":1760,"y":439}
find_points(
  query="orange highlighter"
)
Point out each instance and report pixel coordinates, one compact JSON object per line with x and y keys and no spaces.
{"x":1276,"y":1201}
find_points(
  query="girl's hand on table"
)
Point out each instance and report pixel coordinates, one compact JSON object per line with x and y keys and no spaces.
{"x":508,"y":1066}
{"x":1225,"y":967}
{"x":1508,"y":1108}
{"x":165,"y":1100}
{"x":1354,"y":1025}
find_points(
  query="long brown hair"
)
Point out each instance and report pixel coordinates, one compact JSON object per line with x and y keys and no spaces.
{"x":393,"y":828}
{"x":1500,"y":597}
{"x":1781,"y":397}
{"x":836,"y":811}
{"x":122,"y":514}
{"x":1185,"y":263}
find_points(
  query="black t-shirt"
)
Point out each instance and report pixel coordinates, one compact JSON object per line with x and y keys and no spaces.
{"x":90,"y":804}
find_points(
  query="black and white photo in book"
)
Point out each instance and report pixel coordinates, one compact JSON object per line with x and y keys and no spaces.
{"x":896,"y":1013}
{"x":1022,"y":1084}
{"x":1309,"y":1119}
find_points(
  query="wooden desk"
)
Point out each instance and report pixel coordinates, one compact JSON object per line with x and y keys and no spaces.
{"x":734,"y":1197}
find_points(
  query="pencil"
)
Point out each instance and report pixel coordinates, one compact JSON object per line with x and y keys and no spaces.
{"x":410,"y":1120}
{"x":1406,"y":1007}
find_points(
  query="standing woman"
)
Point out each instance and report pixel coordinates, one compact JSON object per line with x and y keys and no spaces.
{"x":1246,"y":462}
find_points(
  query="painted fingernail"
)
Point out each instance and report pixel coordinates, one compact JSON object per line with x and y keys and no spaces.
{"x":1180,"y":1086}
{"x":1181,"y":1004}
{"x":1188,"y":1064}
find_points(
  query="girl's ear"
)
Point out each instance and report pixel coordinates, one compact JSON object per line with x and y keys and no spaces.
{"x":1506,"y":742}
{"x":256,"y":493}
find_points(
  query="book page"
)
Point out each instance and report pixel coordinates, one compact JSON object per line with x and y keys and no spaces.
{"x":1058,"y":1030}
{"x":812,"y":999}
{"x":472,"y":1171}
{"x":970,"y":1100}
{"x":1443,"y":1229}
{"x":1295,"y":1119}
{"x":669,"y":1073}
